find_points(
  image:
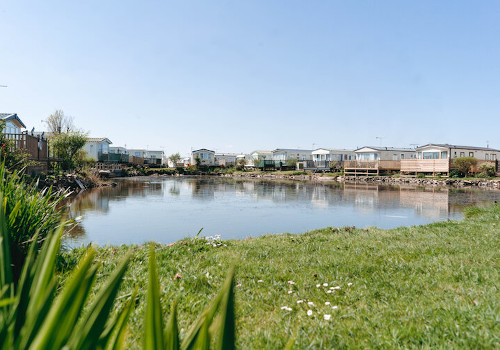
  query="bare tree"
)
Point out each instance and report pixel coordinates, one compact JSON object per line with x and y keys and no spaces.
{"x":59,"y":123}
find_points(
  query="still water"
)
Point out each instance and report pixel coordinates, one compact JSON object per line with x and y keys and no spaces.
{"x":168,"y":209}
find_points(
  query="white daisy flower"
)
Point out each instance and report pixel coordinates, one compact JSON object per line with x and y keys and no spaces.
{"x":327,"y":317}
{"x":335,"y":307}
{"x":300,"y":301}
{"x":327,"y":303}
{"x":290,"y":291}
{"x":318,"y":285}
{"x":309,"y":312}
{"x":310,"y":303}
{"x":349,"y":284}
{"x":325,"y":284}
{"x":291,"y":282}
{"x":260,"y":281}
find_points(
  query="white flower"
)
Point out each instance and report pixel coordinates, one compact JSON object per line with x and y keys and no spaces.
{"x":318,"y":285}
{"x":290,"y":291}
{"x":284,"y":307}
{"x":309,"y":312}
{"x":335,"y":307}
{"x":310,"y":303}
{"x":336,"y":287}
{"x":325,"y":284}
{"x":300,"y":301}
{"x":260,"y":281}
{"x":291,"y":282}
{"x":327,"y":317}
{"x":329,"y":291}
{"x":327,"y":303}
{"x":349,"y":284}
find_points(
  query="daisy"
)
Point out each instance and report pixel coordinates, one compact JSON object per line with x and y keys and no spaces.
{"x":327,"y":317}
{"x":309,"y":312}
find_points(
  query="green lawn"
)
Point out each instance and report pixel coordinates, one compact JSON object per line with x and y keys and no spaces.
{"x":433,"y":286}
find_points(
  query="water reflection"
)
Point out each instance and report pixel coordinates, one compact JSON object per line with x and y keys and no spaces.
{"x":168,"y":209}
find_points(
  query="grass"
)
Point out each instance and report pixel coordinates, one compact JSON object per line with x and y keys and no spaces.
{"x":432,"y":286}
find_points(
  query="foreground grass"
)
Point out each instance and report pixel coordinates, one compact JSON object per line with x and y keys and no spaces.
{"x":412,"y":287}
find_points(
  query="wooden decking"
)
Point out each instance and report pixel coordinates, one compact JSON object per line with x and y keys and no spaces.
{"x":367,"y":168}
{"x":425,"y":166}
{"x":36,"y":148}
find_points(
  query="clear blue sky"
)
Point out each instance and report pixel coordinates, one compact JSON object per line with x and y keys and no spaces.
{"x":235,"y":76}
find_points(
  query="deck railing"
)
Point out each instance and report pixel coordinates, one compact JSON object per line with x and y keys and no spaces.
{"x":35,"y":147}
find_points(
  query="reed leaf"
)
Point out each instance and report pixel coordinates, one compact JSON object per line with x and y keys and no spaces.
{"x":87,"y":335}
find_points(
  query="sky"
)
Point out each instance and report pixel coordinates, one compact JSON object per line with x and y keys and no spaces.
{"x":240,"y":75}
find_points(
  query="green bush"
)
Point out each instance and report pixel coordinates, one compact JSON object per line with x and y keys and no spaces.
{"x":464,"y":164}
{"x":421,"y":176}
{"x":456,"y":174}
{"x":486,"y":170}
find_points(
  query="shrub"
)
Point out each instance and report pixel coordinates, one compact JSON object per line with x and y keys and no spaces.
{"x":421,"y":176}
{"x":464,"y":164}
{"x":486,"y":170}
{"x":456,"y":174}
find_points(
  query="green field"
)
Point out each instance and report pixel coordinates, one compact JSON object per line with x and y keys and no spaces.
{"x":432,"y":286}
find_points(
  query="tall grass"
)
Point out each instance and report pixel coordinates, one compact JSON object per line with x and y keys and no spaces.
{"x":29,"y":213}
{"x":32,"y":317}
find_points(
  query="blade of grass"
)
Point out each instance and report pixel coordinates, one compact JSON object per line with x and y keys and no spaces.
{"x":118,"y":330}
{"x":153,"y":324}
{"x":172,"y":331}
{"x":227,"y":330}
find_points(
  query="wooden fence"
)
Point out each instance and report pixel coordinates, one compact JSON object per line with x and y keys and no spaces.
{"x":36,"y":148}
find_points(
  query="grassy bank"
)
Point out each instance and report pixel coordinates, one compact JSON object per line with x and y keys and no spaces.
{"x":426,"y":286}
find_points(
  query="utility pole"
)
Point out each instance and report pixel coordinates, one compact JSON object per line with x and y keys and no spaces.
{"x":379,"y":138}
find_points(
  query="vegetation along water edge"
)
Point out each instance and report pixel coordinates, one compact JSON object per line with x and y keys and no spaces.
{"x":422,"y":286}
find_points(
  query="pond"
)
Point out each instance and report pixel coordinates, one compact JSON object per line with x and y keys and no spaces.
{"x":167,"y":209}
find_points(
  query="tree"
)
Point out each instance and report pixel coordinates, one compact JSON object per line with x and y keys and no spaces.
{"x":464,"y":164}
{"x":67,"y":147}
{"x":197,"y":161}
{"x":58,"y":123}
{"x":175,"y":158}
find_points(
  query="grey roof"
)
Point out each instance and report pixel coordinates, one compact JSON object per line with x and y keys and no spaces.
{"x":98,"y":139}
{"x":398,"y":149}
{"x":446,"y":145}
{"x":10,"y":116}
{"x":203,"y":149}
{"x":292,"y":150}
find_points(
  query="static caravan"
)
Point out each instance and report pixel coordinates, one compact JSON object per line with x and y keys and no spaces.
{"x":225,"y":159}
{"x":206,"y":156}
{"x":438,"y":158}
{"x":377,"y":160}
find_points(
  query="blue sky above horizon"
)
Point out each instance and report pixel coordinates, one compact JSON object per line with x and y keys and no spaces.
{"x":235,"y":76}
